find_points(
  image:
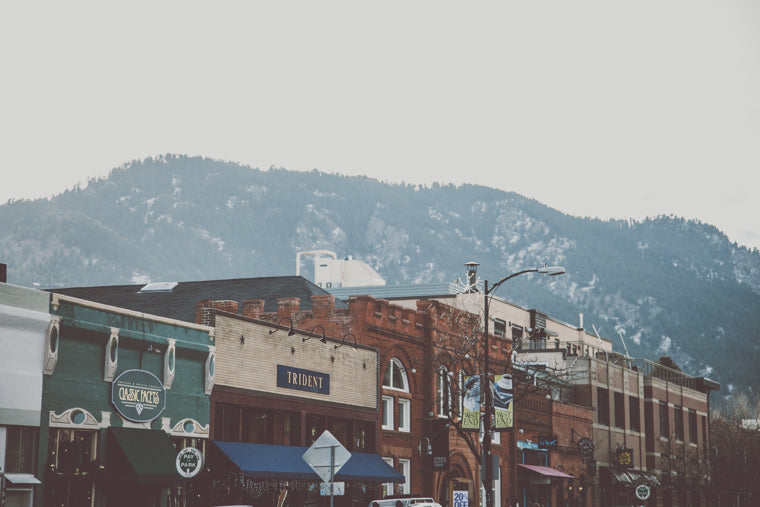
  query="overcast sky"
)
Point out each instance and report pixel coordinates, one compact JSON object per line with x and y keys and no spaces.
{"x":611,"y":109}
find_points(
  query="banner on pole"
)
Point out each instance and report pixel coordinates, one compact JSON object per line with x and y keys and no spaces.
{"x":503,"y":398}
{"x":471,"y":403}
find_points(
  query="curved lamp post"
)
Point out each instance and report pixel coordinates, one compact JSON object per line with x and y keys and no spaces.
{"x":472,"y":268}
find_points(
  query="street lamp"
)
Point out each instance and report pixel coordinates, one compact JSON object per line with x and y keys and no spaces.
{"x":485,"y":380}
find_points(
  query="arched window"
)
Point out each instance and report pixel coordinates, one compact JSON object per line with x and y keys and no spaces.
{"x":443,"y":392}
{"x":395,"y":376}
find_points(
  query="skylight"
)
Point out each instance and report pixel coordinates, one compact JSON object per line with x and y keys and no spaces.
{"x":158,"y":287}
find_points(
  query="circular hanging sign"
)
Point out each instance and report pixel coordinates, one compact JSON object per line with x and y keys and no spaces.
{"x":643,"y":491}
{"x":138,"y":395}
{"x":189,"y":462}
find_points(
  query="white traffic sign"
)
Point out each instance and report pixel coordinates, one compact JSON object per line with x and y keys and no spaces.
{"x":326,"y":456}
{"x":332,"y":489}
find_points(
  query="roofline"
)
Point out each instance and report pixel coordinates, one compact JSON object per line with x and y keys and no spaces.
{"x":57,"y":298}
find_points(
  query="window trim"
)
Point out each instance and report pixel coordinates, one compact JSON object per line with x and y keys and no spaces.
{"x":395,"y":364}
{"x":404,"y":415}
{"x":387,"y":423}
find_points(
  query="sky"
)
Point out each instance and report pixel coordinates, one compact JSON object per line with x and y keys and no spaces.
{"x":609,"y":109}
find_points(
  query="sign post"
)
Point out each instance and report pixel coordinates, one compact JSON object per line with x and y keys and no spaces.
{"x":326,"y":456}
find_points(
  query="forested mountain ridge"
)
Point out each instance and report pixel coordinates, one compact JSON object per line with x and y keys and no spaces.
{"x":670,"y":286}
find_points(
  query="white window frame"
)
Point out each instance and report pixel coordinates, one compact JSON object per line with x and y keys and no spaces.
{"x":404,"y":415}
{"x":388,"y":487}
{"x":405,"y":466}
{"x":396,"y":365}
{"x":443,"y":405}
{"x":388,"y":412}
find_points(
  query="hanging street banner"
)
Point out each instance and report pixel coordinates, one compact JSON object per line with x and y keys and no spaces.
{"x":503,"y":397}
{"x":471,"y":403}
{"x":138,"y":395}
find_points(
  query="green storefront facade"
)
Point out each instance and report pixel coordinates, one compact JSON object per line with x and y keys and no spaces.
{"x":123,"y":393}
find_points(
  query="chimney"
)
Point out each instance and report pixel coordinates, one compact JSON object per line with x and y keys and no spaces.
{"x":252,"y":308}
{"x":286,"y":307}
{"x":3,"y":273}
{"x":580,"y":316}
{"x":322,"y":305}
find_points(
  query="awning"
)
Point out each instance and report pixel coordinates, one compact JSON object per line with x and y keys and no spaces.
{"x":367,"y":467}
{"x":634,"y":477}
{"x":22,"y":479}
{"x":546,"y":471}
{"x":144,"y":456}
{"x":264,"y":461}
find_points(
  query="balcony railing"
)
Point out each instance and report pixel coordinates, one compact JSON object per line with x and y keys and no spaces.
{"x":587,"y":350}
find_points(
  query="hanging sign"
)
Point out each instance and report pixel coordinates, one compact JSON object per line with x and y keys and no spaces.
{"x":189,"y":462}
{"x":138,"y":395}
{"x":624,"y":458}
{"x":503,"y":397}
{"x":471,"y":403}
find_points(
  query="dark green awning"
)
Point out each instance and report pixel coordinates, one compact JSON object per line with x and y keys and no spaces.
{"x":143,"y":456}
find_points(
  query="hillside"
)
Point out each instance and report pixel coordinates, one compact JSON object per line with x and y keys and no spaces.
{"x":669,"y":285}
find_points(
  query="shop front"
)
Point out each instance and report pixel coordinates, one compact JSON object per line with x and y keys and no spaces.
{"x":277,"y":390}
{"x":538,"y":482}
{"x":123,"y":393}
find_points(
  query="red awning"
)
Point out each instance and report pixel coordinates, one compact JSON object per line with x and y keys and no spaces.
{"x":547,"y":471}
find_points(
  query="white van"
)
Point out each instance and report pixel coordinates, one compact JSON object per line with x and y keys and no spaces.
{"x":404,"y":501}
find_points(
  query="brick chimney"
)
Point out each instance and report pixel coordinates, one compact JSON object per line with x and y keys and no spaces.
{"x":323,"y":305}
{"x":286,"y":307}
{"x":3,"y":273}
{"x":252,"y":308}
{"x":204,"y":311}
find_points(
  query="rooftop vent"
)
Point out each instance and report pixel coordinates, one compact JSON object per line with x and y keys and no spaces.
{"x":157,"y":287}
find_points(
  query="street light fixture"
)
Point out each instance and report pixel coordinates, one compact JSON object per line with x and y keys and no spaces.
{"x":472,"y":268}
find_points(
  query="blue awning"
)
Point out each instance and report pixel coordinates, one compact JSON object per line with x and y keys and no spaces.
{"x":285,"y":462}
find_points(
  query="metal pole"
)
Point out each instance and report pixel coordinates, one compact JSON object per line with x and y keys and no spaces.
{"x":486,"y":384}
{"x":332,"y":474}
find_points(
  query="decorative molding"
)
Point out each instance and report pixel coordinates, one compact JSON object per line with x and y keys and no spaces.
{"x":80,"y":418}
{"x":170,"y":357}
{"x":52,"y":344}
{"x":188,"y":427}
{"x":112,"y":356}
{"x":210,"y":369}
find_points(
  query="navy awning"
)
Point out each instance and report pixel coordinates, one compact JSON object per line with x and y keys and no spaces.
{"x":367,"y":467}
{"x":263,"y":461}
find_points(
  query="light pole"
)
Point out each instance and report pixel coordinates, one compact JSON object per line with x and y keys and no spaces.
{"x":485,"y":378}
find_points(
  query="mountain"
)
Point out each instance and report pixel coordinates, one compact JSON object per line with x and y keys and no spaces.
{"x":669,"y":286}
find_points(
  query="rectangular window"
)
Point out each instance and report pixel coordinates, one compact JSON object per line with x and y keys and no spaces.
{"x":635,"y":414}
{"x":404,"y":415}
{"x":21,"y":449}
{"x":692,"y":426}
{"x":258,"y":426}
{"x":500,"y":328}
{"x":388,"y":489}
{"x":705,"y":446}
{"x":443,"y":393}
{"x":678,"y":419}
{"x":71,"y":453}
{"x":603,"y":406}
{"x":517,"y":335}
{"x":387,"y":413}
{"x":664,"y":421}
{"x":619,"y":410}
{"x":405,"y":467}
{"x":227,"y":419}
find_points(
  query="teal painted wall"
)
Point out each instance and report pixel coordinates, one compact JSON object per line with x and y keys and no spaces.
{"x":77,"y":381}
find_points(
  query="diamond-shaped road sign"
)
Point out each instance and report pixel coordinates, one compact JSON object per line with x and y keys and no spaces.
{"x":326,"y":456}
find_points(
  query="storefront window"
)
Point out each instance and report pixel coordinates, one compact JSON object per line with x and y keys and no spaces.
{"x":71,"y":467}
{"x":21,"y":449}
{"x":227,"y":422}
{"x":257,"y":426}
